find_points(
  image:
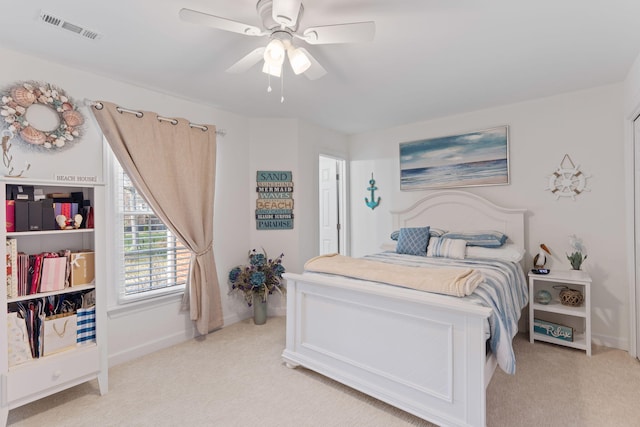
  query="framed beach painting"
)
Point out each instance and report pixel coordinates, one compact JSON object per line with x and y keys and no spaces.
{"x":469,"y":159}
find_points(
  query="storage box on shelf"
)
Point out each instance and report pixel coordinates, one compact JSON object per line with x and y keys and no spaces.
{"x":72,"y":348}
{"x":555,"y":322}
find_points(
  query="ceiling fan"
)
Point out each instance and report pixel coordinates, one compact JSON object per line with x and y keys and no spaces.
{"x":280,"y":21}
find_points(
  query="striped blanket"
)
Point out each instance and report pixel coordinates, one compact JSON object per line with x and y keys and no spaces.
{"x":504,"y":290}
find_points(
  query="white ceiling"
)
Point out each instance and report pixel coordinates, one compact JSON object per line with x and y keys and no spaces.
{"x":430,"y":58}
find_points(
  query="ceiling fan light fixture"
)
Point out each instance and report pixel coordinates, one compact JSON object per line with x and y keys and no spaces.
{"x":272,"y":69}
{"x":280,"y":20}
{"x":299,"y":61}
{"x":274,"y":53}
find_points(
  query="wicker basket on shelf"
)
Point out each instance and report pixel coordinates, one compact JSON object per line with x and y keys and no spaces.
{"x":570,"y":297}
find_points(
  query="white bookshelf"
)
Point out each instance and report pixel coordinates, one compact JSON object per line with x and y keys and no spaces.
{"x":34,"y":379}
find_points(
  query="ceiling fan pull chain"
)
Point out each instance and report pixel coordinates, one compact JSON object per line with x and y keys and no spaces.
{"x":282,"y":86}
{"x":269,"y":82}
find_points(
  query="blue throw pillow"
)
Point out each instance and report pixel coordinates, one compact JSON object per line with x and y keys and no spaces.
{"x":413,"y":241}
{"x":433,"y":232}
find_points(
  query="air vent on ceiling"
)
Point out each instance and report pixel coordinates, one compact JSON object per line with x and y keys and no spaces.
{"x":61,"y":23}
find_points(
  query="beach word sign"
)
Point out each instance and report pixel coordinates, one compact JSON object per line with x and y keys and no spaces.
{"x":274,"y":206}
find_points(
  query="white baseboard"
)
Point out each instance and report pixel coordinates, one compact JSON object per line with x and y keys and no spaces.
{"x":609,"y":341}
{"x":176,"y":338}
{"x":150,"y":347}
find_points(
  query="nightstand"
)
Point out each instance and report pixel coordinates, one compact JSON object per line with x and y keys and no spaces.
{"x":578,"y":318}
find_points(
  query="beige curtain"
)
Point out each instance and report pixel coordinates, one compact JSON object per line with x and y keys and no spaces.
{"x":172,"y":164}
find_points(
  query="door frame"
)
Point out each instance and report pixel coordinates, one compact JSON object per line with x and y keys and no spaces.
{"x":632,"y":159}
{"x":343,"y":215}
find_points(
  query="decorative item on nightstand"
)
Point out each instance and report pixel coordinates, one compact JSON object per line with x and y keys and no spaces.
{"x":543,"y":297}
{"x":554,"y":330}
{"x":258,"y":280}
{"x":578,"y":252}
{"x":540,"y":259}
{"x":570,"y":297}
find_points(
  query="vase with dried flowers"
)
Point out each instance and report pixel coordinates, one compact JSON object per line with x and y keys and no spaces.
{"x":257,"y":280}
{"x":578,"y":252}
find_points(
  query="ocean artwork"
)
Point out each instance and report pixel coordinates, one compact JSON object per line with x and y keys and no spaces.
{"x":475,"y":158}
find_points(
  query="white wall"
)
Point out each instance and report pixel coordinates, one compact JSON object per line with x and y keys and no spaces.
{"x":314,"y":141}
{"x":140,"y":328}
{"x":290,"y":145}
{"x":273,"y":147}
{"x":632,"y":87}
{"x":586,"y":125}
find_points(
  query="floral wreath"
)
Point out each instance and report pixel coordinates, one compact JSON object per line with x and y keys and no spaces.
{"x":17,"y":100}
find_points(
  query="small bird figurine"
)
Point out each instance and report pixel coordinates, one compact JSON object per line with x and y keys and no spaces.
{"x":541,"y":259}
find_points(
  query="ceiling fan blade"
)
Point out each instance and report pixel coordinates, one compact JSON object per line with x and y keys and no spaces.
{"x":355,"y":32}
{"x":316,"y":70}
{"x":285,"y":12}
{"x":225,"y":24}
{"x":247,"y":61}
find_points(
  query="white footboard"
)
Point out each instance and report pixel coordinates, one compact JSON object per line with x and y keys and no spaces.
{"x":420,"y":352}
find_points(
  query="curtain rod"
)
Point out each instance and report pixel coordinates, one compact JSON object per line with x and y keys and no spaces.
{"x":99,"y":106}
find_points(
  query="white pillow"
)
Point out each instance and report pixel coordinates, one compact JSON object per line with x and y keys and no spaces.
{"x":507,"y":252}
{"x":447,"y":248}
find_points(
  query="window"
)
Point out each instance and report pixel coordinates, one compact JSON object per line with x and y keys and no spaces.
{"x":152,"y":261}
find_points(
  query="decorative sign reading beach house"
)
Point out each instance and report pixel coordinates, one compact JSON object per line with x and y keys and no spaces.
{"x":274,"y":206}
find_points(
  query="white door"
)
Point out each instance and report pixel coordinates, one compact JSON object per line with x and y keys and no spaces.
{"x":328,"y":191}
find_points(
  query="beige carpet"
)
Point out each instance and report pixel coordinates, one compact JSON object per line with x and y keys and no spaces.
{"x":235,"y":377}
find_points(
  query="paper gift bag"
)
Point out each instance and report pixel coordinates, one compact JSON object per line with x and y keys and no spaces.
{"x":18,"y":340}
{"x":53,"y":274}
{"x":82,"y":268}
{"x":59,"y":334}
{"x":86,"y":325}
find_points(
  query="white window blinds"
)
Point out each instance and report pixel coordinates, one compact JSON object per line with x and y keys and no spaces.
{"x":152,"y":258}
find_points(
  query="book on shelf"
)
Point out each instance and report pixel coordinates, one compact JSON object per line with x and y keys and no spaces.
{"x":10,"y":212}
{"x":35,"y":267}
{"x":49,"y":272}
{"x":31,"y":274}
{"x":12,"y":268}
{"x":59,"y":195}
{"x":23,"y":273}
{"x":66,"y":209}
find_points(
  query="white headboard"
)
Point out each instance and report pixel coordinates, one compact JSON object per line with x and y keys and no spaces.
{"x":455,"y":210}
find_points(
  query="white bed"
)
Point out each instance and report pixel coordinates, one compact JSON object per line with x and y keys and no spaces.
{"x":421,"y":352}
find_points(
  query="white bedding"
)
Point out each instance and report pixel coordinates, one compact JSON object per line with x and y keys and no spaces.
{"x":504,"y":290}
